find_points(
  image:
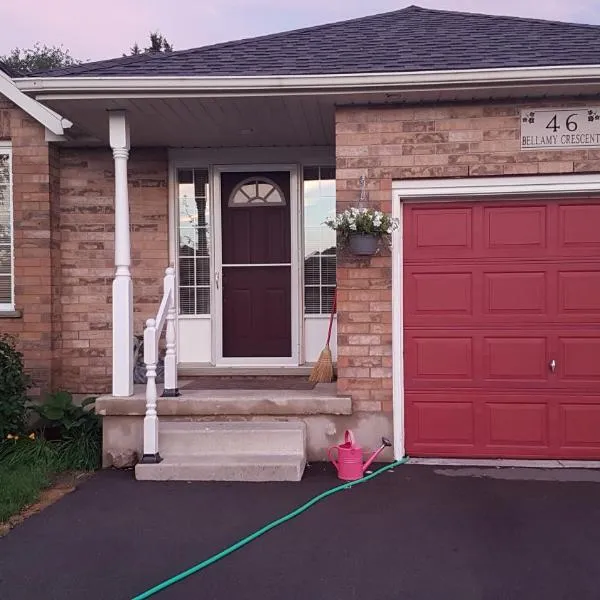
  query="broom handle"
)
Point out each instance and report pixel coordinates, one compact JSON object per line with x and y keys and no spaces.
{"x":333,"y":307}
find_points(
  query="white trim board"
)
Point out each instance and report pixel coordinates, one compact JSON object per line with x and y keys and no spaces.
{"x":496,"y":186}
{"x":54,"y":87}
{"x":42,"y":114}
{"x":474,"y":188}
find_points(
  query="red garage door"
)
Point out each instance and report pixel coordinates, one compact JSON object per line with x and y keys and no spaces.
{"x":502,"y":328}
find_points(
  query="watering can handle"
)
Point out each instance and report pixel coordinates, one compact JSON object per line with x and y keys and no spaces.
{"x":349,"y":437}
{"x":330,"y":457}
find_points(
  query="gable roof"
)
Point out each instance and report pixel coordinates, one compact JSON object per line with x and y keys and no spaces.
{"x":411,"y":39}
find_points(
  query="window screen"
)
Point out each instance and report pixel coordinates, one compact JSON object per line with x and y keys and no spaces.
{"x":319,"y":240}
{"x":6,"y":230}
{"x":194,"y":241}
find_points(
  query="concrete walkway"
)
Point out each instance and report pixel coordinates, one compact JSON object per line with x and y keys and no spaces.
{"x":414,"y":534}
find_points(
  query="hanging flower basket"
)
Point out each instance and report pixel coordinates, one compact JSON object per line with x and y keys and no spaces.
{"x":362,"y":230}
{"x":363,"y":244}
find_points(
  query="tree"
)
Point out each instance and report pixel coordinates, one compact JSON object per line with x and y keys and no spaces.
{"x":39,"y":58}
{"x":158,"y":43}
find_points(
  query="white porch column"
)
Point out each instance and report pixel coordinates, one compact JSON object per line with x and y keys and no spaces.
{"x":122,"y":371}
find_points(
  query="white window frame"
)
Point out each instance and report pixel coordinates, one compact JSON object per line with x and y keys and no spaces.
{"x":319,"y":315}
{"x":6,"y":148}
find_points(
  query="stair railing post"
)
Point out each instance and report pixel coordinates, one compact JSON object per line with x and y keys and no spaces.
{"x":151,"y":453}
{"x":171,"y":389}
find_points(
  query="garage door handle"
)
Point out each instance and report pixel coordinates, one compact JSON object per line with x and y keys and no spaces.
{"x":552,"y":365}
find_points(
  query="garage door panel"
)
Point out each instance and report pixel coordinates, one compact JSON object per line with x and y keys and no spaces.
{"x":580,"y":426}
{"x":518,"y":423}
{"x":510,"y":293}
{"x":440,"y":358}
{"x":579,"y":359}
{"x":578,"y":228}
{"x":441,"y":421}
{"x":515,"y":359}
{"x":579,"y":293}
{"x":507,"y":227}
{"x":436,"y":228}
{"x":441,"y":293}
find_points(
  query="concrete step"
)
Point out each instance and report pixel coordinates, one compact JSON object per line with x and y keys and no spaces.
{"x":193,"y":438}
{"x":240,"y":467}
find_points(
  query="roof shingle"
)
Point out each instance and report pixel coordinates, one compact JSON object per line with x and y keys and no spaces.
{"x":411,"y":39}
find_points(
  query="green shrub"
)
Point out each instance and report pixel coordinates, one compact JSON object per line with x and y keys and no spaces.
{"x":79,"y":430}
{"x":13,"y":389}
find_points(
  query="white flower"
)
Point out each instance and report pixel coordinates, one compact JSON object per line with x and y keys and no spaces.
{"x":353,"y":226}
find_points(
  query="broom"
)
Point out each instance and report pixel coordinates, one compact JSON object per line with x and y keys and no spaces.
{"x":322,"y":372}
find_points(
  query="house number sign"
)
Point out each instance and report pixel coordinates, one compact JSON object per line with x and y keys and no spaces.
{"x":560,"y":128}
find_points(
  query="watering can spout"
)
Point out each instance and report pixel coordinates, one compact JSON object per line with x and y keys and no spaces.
{"x":385,"y":443}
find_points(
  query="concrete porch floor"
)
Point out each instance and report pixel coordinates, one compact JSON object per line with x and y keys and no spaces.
{"x":323,"y":399}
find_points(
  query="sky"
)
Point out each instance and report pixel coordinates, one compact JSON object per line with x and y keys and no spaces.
{"x":108,"y":28}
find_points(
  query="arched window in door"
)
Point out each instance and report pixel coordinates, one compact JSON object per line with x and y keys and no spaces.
{"x":256,"y":191}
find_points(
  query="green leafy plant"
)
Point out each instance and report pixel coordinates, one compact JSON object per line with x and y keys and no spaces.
{"x":78,"y":428}
{"x":366,"y":221}
{"x":14,"y":383}
{"x":59,"y":410}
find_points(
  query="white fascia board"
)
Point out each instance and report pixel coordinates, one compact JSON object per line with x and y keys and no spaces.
{"x":411,"y":189}
{"x":335,"y":82}
{"x":52,"y":121}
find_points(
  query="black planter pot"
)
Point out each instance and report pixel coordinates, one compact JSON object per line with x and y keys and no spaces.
{"x":363,"y":244}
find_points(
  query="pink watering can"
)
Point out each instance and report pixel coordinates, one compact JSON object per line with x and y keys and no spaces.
{"x":349,"y":464}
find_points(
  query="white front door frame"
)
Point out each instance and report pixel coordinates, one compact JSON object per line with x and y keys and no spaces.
{"x":456,"y":190}
{"x":296,"y":274}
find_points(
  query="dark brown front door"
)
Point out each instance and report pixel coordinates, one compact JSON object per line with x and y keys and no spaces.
{"x":256,"y":256}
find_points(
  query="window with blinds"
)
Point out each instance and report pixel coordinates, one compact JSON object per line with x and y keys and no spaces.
{"x":6,"y":230}
{"x":319,"y":240}
{"x":194,"y":241}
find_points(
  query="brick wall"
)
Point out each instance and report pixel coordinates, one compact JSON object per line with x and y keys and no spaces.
{"x":390,"y":143}
{"x":87,"y":257}
{"x":32,"y":241}
{"x":64,"y":252}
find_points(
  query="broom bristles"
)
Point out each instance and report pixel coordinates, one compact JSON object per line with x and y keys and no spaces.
{"x":322,"y":372}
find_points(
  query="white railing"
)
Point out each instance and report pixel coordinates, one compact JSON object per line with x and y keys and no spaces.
{"x":154,"y":327}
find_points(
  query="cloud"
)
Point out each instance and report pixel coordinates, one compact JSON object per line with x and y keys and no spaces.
{"x":105,"y":29}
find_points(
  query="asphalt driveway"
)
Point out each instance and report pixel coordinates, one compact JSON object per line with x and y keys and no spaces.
{"x":417,"y":533}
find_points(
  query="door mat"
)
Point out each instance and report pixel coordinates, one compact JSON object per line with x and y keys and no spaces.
{"x":248,"y":383}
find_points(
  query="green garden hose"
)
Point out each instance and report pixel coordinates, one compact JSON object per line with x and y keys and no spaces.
{"x":216,"y":557}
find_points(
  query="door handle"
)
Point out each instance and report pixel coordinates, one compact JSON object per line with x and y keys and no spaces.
{"x":217,"y":278}
{"x":552,"y":365}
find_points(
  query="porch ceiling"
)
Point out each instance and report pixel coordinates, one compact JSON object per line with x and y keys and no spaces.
{"x":209,"y":122}
{"x":276,"y":119}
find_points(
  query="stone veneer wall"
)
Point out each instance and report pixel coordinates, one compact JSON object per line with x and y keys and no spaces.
{"x":388,"y":143}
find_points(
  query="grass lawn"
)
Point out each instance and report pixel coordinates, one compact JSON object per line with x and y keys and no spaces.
{"x":20,"y":485}
{"x":28,"y":466}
